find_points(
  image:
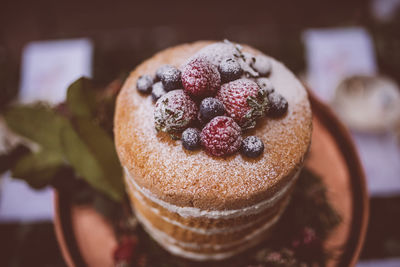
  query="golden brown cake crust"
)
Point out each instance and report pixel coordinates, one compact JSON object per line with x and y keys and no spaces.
{"x":196,"y":179}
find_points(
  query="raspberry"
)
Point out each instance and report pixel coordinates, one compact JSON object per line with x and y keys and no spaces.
{"x":221,"y":136}
{"x":174,"y":111}
{"x":243,"y":101}
{"x":200,"y":78}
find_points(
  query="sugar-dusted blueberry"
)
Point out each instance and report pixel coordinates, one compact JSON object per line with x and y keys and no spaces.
{"x":252,"y":146}
{"x":278,"y":105}
{"x":161,"y":70}
{"x":262,"y":65}
{"x":191,"y":139}
{"x":265,"y":85}
{"x":144,"y":84}
{"x":230,"y":70}
{"x":157,"y":91}
{"x":171,"y":79}
{"x":210,"y":107}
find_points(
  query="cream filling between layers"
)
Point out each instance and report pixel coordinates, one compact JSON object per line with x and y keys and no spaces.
{"x":176,"y":247}
{"x":210,"y":231}
{"x":213,"y":214}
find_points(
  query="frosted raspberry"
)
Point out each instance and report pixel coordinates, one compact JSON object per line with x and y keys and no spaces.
{"x":221,"y":136}
{"x":243,"y":101}
{"x":174,"y":111}
{"x":200,"y":78}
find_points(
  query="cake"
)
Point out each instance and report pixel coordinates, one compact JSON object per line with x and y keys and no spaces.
{"x":201,"y":204}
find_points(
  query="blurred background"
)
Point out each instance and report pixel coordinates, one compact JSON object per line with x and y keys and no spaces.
{"x":348,"y":52}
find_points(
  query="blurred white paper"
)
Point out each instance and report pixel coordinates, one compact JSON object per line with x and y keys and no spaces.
{"x":48,"y":67}
{"x":19,"y":202}
{"x":334,"y":54}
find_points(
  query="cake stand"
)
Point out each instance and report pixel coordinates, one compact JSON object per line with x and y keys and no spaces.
{"x":87,"y":239}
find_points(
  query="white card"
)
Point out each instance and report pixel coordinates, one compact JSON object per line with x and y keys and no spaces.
{"x":334,"y":54}
{"x":49,"y":67}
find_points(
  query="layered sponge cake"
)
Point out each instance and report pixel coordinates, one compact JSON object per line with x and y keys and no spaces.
{"x":212,"y":136}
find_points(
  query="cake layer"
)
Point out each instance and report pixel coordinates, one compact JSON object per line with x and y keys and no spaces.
{"x":209,"y":251}
{"x":193,"y":233}
{"x":205,"y":215}
{"x":194,"y":178}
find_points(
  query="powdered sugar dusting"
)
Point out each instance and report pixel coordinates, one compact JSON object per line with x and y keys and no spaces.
{"x":195,"y":179}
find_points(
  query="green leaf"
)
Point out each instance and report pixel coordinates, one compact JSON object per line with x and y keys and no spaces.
{"x":10,"y":158}
{"x":38,"y":123}
{"x":92,"y":154}
{"x":38,"y":169}
{"x":81,"y":98}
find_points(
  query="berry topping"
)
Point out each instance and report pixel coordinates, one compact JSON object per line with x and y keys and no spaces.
{"x":161,"y":70}
{"x":200,"y":78}
{"x":144,"y":84}
{"x":171,"y":78}
{"x":252,"y":147}
{"x":265,"y":85}
{"x":246,"y":61}
{"x":278,"y":105}
{"x":174,"y":112}
{"x":230,"y":70}
{"x":262,"y":65}
{"x":191,"y":138}
{"x":158,"y":91}
{"x":221,"y":136}
{"x":243,"y":101}
{"x":209,"y":108}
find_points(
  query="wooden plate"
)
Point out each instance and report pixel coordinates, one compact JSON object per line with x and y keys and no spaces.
{"x":87,"y":239}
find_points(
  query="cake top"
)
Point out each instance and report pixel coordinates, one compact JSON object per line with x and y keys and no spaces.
{"x":224,"y":98}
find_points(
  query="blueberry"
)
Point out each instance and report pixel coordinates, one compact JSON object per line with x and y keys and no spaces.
{"x":278,"y":105}
{"x":209,"y":108}
{"x":161,"y":70}
{"x":158,"y":91}
{"x":262,"y":65}
{"x":171,"y":79}
{"x":144,"y":84}
{"x":230,"y":70}
{"x":191,"y":138}
{"x":252,"y":147}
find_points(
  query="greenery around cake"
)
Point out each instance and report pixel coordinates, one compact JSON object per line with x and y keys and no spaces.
{"x":70,"y":147}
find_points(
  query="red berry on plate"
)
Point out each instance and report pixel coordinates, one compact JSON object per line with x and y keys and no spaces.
{"x":200,"y":78}
{"x":222,"y":136}
{"x":174,"y":112}
{"x":125,"y":250}
{"x":243,"y":101}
